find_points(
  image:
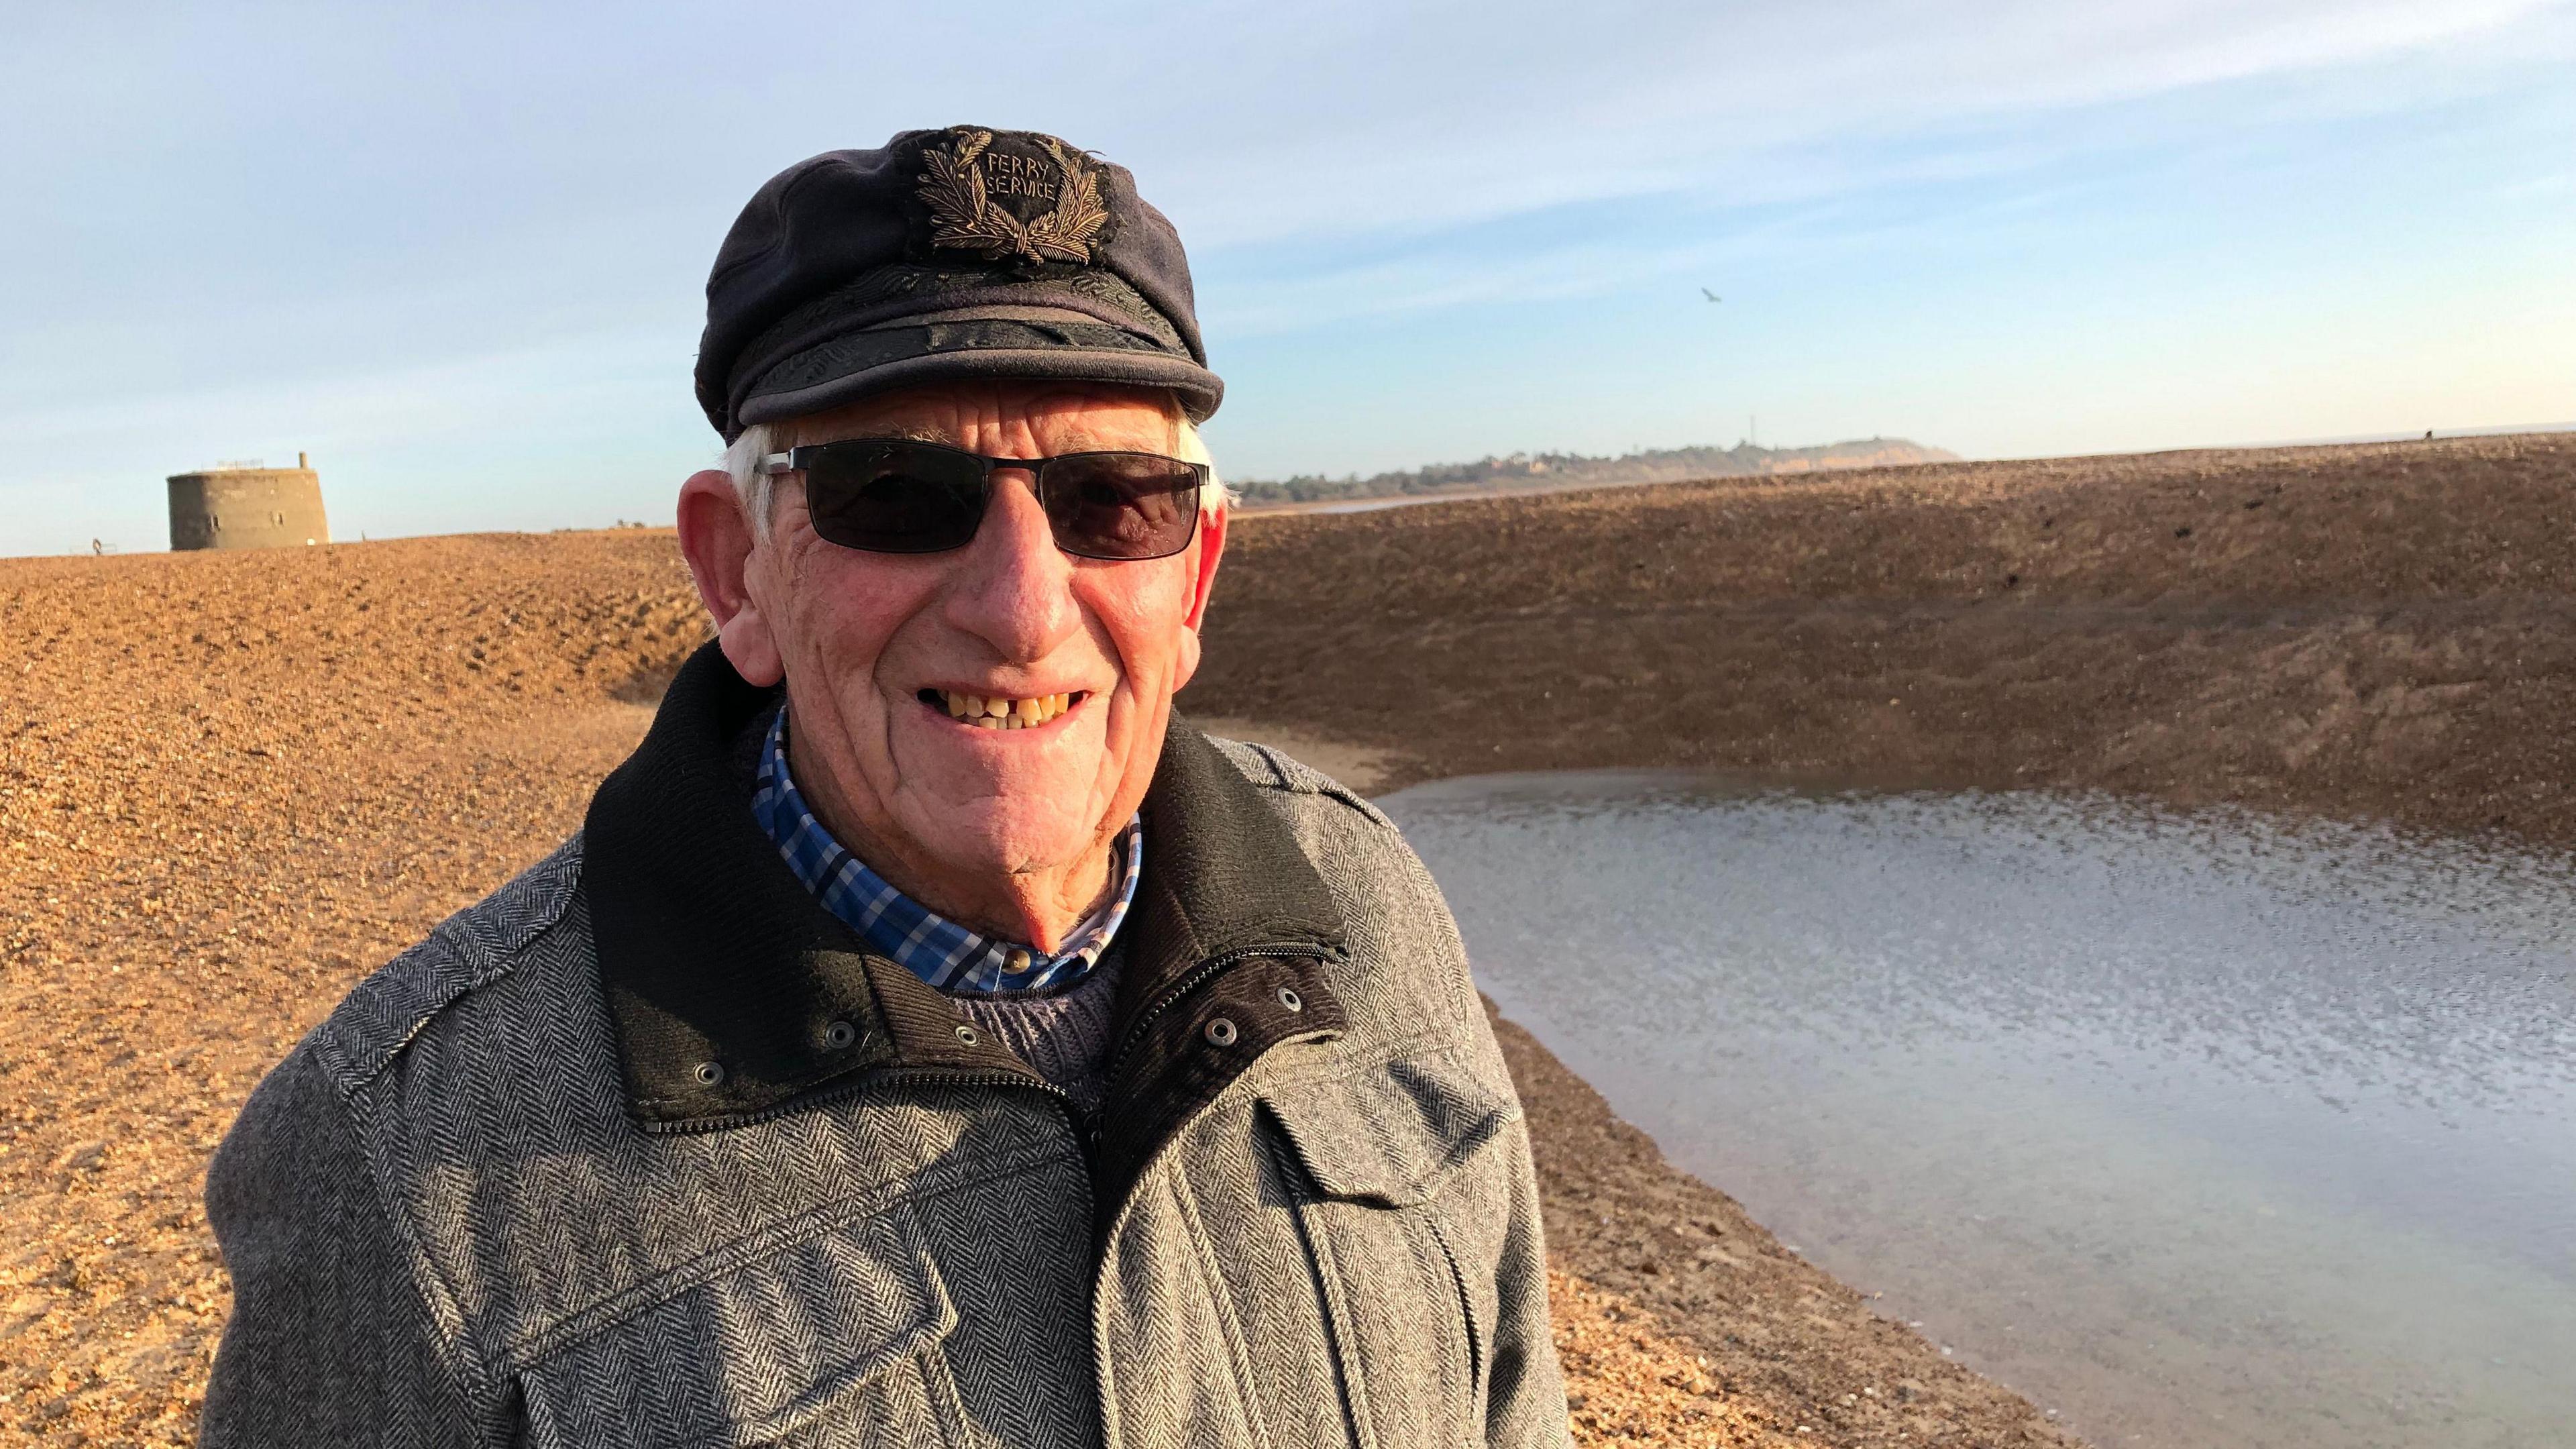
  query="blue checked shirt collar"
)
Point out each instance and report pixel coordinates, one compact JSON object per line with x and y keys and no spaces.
{"x":932,"y":947}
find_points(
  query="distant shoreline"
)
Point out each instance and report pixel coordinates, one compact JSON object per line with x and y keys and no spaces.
{"x":1379,"y":502}
{"x":1552,"y":472}
{"x":1372,"y":503}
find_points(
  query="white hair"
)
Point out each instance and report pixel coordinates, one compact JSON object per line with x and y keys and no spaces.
{"x":748,"y":461}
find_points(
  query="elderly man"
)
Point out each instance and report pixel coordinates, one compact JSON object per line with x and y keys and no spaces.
{"x":928,"y":1039}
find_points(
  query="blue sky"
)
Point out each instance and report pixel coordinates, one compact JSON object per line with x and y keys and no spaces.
{"x":457,"y":252}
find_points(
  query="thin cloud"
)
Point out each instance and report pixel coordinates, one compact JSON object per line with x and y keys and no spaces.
{"x":1430,"y":126}
{"x":391,"y":235}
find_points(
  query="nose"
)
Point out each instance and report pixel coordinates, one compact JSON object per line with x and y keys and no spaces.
{"x":1013,"y":586}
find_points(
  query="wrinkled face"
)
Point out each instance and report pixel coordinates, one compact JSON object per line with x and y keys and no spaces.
{"x":879,"y":651}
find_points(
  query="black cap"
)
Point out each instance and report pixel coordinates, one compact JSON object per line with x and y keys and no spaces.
{"x":958,"y":253}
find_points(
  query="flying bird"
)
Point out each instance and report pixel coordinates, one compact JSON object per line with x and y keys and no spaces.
{"x":1712,"y":296}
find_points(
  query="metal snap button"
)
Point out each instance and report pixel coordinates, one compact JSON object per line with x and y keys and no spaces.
{"x":1017,"y":962}
{"x":710,"y":1074}
{"x":1289,"y":998}
{"x":1221,"y":1031}
{"x":966,"y":1034}
{"x":838,"y":1036}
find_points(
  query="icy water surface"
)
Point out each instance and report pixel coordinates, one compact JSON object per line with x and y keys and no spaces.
{"x":2203,"y":1129}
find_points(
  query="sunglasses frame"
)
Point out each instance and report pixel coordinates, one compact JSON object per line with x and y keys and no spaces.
{"x":795,"y":460}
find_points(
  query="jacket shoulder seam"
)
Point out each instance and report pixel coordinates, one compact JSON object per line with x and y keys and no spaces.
{"x":460,"y":956}
{"x":1283,"y":774}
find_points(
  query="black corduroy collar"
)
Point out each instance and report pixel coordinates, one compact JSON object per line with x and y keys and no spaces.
{"x":732,"y":992}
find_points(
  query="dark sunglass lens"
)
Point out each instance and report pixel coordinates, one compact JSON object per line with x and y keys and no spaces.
{"x":893,"y":497}
{"x":1121,"y":505}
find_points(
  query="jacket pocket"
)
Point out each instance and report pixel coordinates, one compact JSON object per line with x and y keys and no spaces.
{"x":833,"y":1341}
{"x":1395,"y":1172}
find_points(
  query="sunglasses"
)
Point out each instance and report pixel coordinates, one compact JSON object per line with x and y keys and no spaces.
{"x":888,"y":495}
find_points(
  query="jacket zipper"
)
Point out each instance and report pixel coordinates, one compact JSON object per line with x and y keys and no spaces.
{"x":806,"y":1101}
{"x":949,"y":1076}
{"x":1086,"y":1135}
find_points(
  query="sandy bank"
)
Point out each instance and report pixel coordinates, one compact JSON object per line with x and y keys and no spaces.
{"x":230,"y":784}
{"x":2381,"y":630}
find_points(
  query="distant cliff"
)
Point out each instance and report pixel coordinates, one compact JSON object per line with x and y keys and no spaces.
{"x":1575,"y":470}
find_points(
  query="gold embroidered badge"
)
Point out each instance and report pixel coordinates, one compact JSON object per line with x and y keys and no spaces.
{"x":959,"y":189}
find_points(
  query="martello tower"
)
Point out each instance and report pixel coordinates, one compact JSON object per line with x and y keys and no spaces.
{"x":230,"y":507}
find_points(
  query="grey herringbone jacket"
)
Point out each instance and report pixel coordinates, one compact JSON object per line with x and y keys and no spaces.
{"x":647,"y":1149}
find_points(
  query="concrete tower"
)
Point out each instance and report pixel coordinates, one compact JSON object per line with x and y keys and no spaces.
{"x":233,"y":507}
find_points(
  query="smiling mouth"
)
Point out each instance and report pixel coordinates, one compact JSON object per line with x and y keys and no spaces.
{"x":993,"y":712}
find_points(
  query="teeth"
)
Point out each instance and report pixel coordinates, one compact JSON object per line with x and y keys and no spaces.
{"x":995,"y":712}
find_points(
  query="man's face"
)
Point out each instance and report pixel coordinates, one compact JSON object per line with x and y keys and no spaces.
{"x":873,"y":646}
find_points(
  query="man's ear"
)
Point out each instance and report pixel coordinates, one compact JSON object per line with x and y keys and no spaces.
{"x":717,"y":539}
{"x":1210,"y":548}
{"x":1211,"y":543}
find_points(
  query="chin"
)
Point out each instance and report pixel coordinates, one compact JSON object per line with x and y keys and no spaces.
{"x":1010,"y":833}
